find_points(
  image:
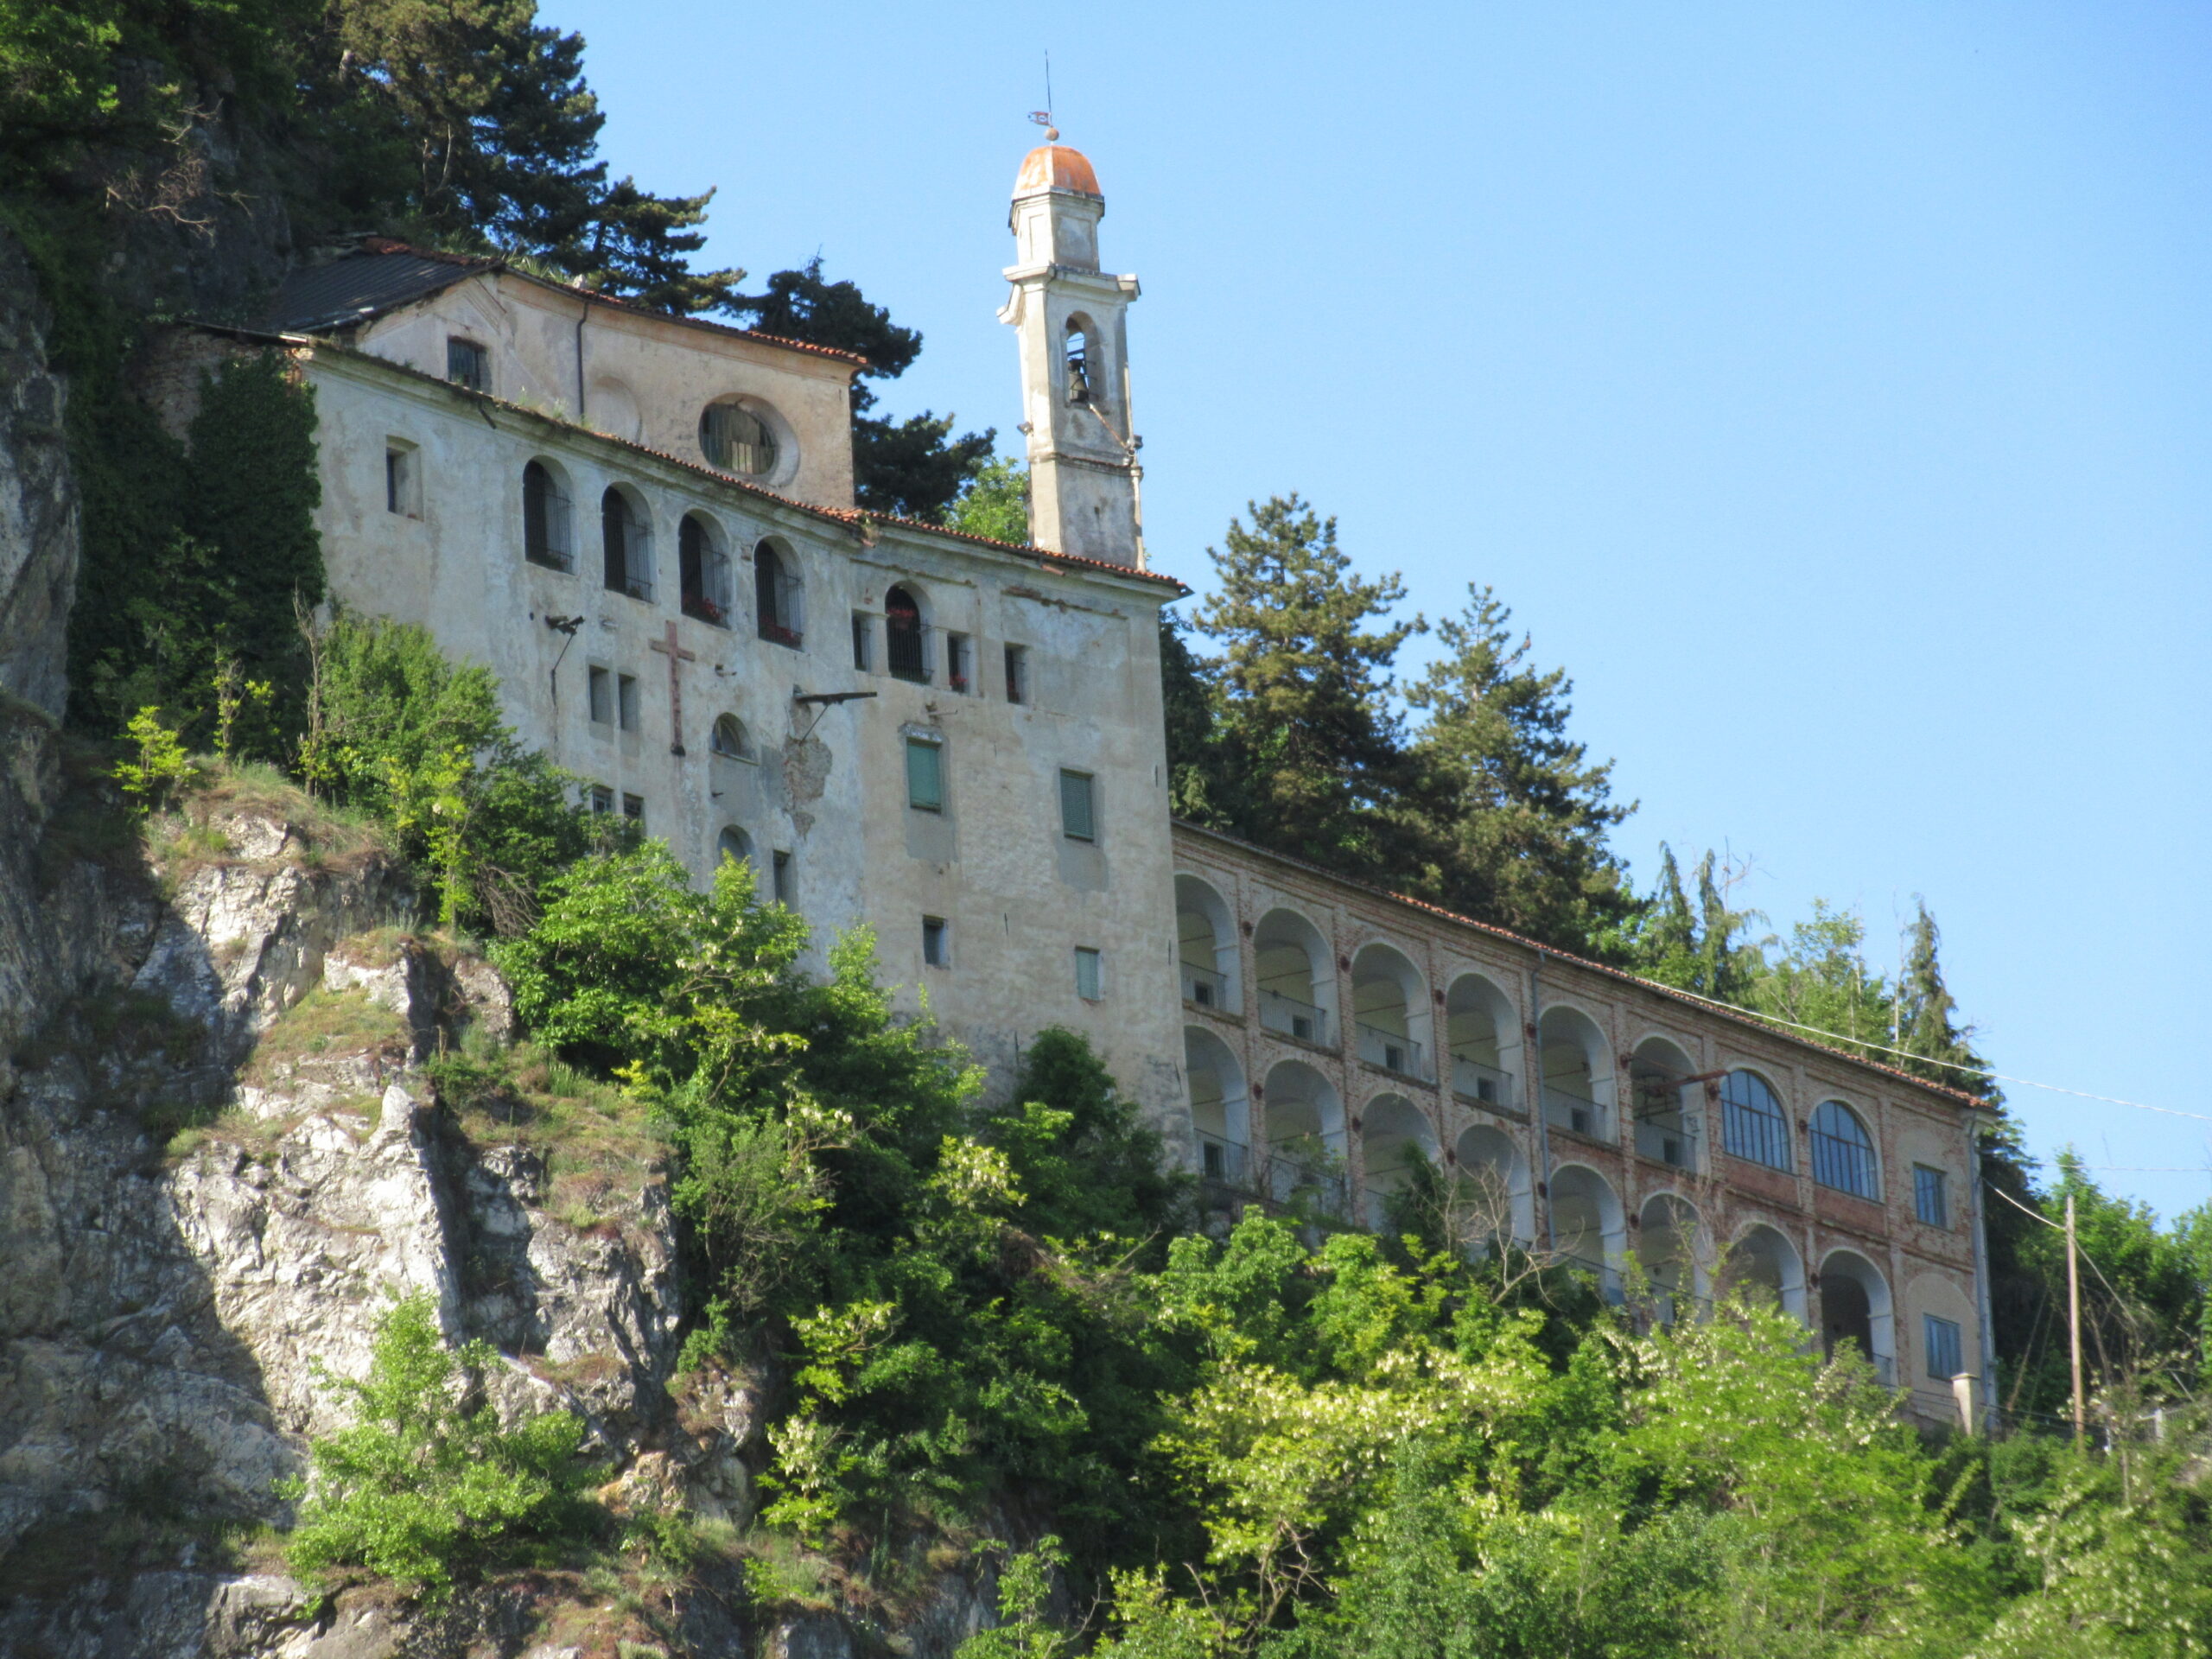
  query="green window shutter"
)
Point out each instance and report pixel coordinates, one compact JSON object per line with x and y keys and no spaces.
{"x":1076,"y":821}
{"x":924,"y":775}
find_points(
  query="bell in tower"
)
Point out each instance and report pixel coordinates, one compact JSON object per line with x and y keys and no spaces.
{"x":1071,"y":322}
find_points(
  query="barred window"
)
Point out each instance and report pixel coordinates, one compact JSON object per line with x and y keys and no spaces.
{"x":628,"y":546}
{"x":1843,"y":1153}
{"x":468,"y":364}
{"x":547,"y":538}
{"x":737,"y":440}
{"x":1751,"y":1124}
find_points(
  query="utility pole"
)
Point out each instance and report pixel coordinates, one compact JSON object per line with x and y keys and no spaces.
{"x":2074,"y":1318}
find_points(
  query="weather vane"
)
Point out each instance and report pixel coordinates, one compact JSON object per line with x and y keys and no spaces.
{"x":1043,"y":118}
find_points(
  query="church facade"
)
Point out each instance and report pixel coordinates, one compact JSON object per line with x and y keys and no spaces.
{"x":646,"y":527}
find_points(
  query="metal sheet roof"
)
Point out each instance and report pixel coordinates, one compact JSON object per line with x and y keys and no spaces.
{"x":361,"y":285}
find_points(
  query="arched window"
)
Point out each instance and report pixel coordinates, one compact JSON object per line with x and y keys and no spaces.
{"x":705,"y":572}
{"x":775,"y":597}
{"x":728,"y":740}
{"x":547,"y":538}
{"x":1078,"y":361}
{"x":903,"y":636}
{"x":737,"y":440}
{"x":1843,"y":1153}
{"x":734,"y":843}
{"x":628,"y":545}
{"x":1751,"y":1124}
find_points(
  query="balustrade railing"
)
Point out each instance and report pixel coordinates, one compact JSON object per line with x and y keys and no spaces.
{"x":1674,"y":1144}
{"x":1224,"y":1163}
{"x":1577,"y":1113}
{"x":1392,"y":1052}
{"x":1290,"y":1182}
{"x":1472,"y":1080}
{"x":1293,"y":1018}
{"x":1205,"y":988}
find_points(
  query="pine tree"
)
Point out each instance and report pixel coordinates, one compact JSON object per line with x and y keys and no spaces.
{"x":1311,"y":758}
{"x":1702,"y":951}
{"x":1520,"y":812}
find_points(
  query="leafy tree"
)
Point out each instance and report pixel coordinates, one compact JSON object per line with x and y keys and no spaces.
{"x":995,"y":501}
{"x":1310,"y":757}
{"x":1519,"y":812}
{"x":1700,"y":949}
{"x":426,"y":1485}
{"x":911,"y":469}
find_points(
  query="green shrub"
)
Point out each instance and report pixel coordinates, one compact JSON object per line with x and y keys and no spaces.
{"x":427,"y":1486}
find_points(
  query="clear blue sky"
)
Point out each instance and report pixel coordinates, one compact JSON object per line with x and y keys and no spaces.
{"x":1828,"y":387}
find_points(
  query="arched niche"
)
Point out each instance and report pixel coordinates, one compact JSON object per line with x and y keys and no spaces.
{"x":1856,"y":1308}
{"x":1588,"y":1231}
{"x":1395,"y":1137}
{"x":1493,"y":1175}
{"x":1763,"y":1262}
{"x":1578,"y":1073}
{"x":1291,"y":964}
{"x":1220,"y":1109}
{"x":905,"y":633}
{"x":1665,"y":1105}
{"x":1482,"y":1038}
{"x":1670,"y":1248}
{"x":1304,"y":1119}
{"x":1390,"y":1011}
{"x":1206,"y":946}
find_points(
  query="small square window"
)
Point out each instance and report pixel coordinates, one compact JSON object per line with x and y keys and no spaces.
{"x":602,"y":695}
{"x":1931,"y":1198}
{"x":784,"y":877}
{"x":924,"y":775}
{"x":602,"y":798}
{"x":1017,"y":673}
{"x":626,"y":699}
{"x":1077,"y":821}
{"x":1089,"y":974}
{"x":863,"y":639}
{"x":633,"y":808}
{"x":468,"y":364}
{"x":403,"y":479}
{"x":1946,"y":1356}
{"x":935,"y":952}
{"x":958,"y":663}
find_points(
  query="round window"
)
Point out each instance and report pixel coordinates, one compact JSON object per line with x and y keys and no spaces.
{"x":737,"y":440}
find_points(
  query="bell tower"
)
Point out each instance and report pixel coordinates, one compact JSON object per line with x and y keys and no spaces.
{"x":1071,"y":320}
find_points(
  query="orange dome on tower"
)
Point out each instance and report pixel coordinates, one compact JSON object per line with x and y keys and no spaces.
{"x":1056,"y":166}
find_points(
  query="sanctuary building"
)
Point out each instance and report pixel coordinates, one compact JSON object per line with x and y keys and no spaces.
{"x":644,"y":525}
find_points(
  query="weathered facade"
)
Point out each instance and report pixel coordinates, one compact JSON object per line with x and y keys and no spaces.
{"x":1333,"y":1033}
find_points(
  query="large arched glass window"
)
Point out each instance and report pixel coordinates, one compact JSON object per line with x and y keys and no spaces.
{"x":1752,"y":1126}
{"x":628,"y":545}
{"x":547,"y":537}
{"x":1843,"y":1153}
{"x":904,"y":641}
{"x":775,"y":596}
{"x":737,"y":440}
{"x":705,"y":571}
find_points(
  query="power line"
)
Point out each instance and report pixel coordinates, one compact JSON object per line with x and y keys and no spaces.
{"x":1926,"y":1059}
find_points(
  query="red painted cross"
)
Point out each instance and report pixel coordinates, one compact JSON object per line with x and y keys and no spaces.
{"x":675,"y":655}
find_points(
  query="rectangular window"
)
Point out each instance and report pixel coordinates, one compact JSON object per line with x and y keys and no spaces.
{"x":956,"y":665}
{"x":924,"y":775}
{"x":863,"y":638}
{"x":602,"y":798}
{"x":602,"y":695}
{"x":1089,"y":974}
{"x":934,"y":953}
{"x":468,"y":364}
{"x":784,"y":877}
{"x":1017,"y":673}
{"x":1931,"y":1198}
{"x":626,"y":699}
{"x":633,"y":808}
{"x":1076,"y":821}
{"x":1945,"y":1358}
{"x":402,"y":482}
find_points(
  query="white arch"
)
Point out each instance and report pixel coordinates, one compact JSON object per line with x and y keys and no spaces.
{"x":1390,"y":1000}
{"x":1494,"y":1170}
{"x":1764,"y":1260}
{"x":1669,"y":1246}
{"x":1482,"y":1040}
{"x":1588,"y":1231}
{"x":1846,"y":1278}
{"x":1293,"y":970}
{"x":1220,"y":1112}
{"x":1206,"y":946}
{"x":1305,"y":1120}
{"x":1393,"y":1133}
{"x":1665,"y":1108}
{"x":1578,"y":1072}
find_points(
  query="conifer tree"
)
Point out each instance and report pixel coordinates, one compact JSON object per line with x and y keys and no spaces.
{"x":1311,"y":758}
{"x":1517,"y":808}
